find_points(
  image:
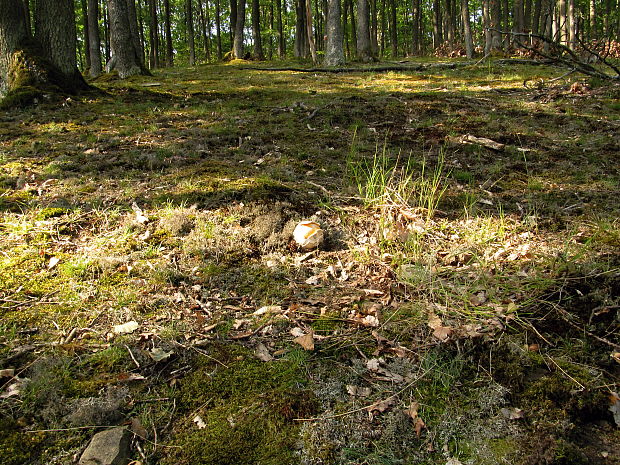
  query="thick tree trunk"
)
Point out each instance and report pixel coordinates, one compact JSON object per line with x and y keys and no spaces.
{"x":495,"y":18}
{"x":27,"y":68}
{"x":256,"y":37}
{"x":364,"y":51}
{"x":239,"y":25}
{"x":94,"y":41}
{"x":132,"y":16}
{"x":334,"y":54}
{"x":168,"y":34}
{"x":437,"y":29}
{"x":469,"y":42}
{"x":302,"y":47}
{"x":233,"y":21}
{"x":125,"y":57}
{"x":189,"y":22}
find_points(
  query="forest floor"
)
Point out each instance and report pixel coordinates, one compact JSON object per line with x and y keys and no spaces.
{"x":464,"y":307}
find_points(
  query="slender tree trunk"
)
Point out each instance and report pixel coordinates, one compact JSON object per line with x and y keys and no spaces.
{"x":486,"y":22}
{"x":94,"y":41}
{"x":281,"y":40}
{"x":153,"y":34}
{"x":437,"y":30}
{"x":536,"y":17}
{"x":527,"y":16}
{"x":374,"y":46}
{"x":106,"y":31}
{"x":205,"y":24}
{"x":449,"y":21}
{"x":168,"y":35}
{"x":218,"y":29}
{"x":518,"y":16}
{"x":334,"y":54}
{"x":416,"y":36}
{"x":189,"y":23}
{"x":349,"y":4}
{"x":571,"y":24}
{"x":364,"y":50}
{"x":311,"y":43}
{"x":83,"y":4}
{"x":469,"y":42}
{"x":393,"y":30}
{"x":233,"y":21}
{"x":258,"y":43}
{"x":239,"y":25}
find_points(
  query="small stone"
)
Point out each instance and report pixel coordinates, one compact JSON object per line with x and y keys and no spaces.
{"x":109,"y":447}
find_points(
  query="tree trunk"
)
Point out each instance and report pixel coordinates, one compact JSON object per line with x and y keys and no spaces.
{"x":536,"y":17}
{"x":133,"y":29}
{"x":593,"y":35}
{"x":571,"y":24}
{"x":486,"y":22}
{"x":349,"y":4}
{"x":334,"y":53}
{"x":301,"y":36}
{"x":495,"y":18}
{"x":374,"y":46}
{"x":311,"y":43}
{"x":27,"y":67}
{"x":393,"y":30}
{"x":124,"y":55}
{"x":469,"y":42}
{"x":153,"y":33}
{"x":281,"y":41}
{"x":83,"y":4}
{"x":94,"y":40}
{"x":364,"y":52}
{"x":437,"y":30}
{"x":233,"y":21}
{"x":218,"y":29}
{"x":416,"y":37}
{"x":258,"y":43}
{"x":239,"y":25}
{"x":205,"y":26}
{"x":189,"y":23}
{"x":168,"y":34}
{"x":518,"y":17}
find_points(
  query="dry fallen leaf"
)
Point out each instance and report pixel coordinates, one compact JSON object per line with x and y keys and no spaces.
{"x":380,"y":406}
{"x":616,"y":356}
{"x":418,"y":426}
{"x":614,"y":408}
{"x":442,"y":333}
{"x":199,"y":422}
{"x":412,"y":411}
{"x":158,"y":354}
{"x":137,"y":428}
{"x":53,"y":262}
{"x":306,"y":341}
{"x":268,"y":309}
{"x":126,"y":328}
{"x":358,"y":391}
{"x":262,"y":353}
{"x":7,"y":372}
{"x":512,"y":413}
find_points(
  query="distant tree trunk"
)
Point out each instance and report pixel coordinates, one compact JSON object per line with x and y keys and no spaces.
{"x":189,"y":23}
{"x":416,"y":36}
{"x":301,"y":36}
{"x":83,"y":4}
{"x":486,"y":22}
{"x":239,"y":25}
{"x":437,"y":29}
{"x":449,"y":22}
{"x":218,"y":29}
{"x":256,"y":37}
{"x":311,"y":43}
{"x":374,"y":14}
{"x":125,"y":57}
{"x":153,"y":34}
{"x":94,"y":41}
{"x":168,"y":34}
{"x":593,"y":35}
{"x":536,"y":17}
{"x":469,"y":42}
{"x":205,"y":27}
{"x":334,"y":53}
{"x":571,"y":24}
{"x":132,"y":16}
{"x":518,"y":16}
{"x":281,"y":40}
{"x":364,"y":51}
{"x":393,"y":30}
{"x":233,"y":21}
{"x":527,"y":16}
{"x":349,"y":4}
{"x":106,"y":31}
{"x":495,"y":18}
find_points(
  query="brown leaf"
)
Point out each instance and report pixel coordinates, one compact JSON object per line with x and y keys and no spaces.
{"x":137,"y":428}
{"x":442,"y":333}
{"x":262,"y":353}
{"x":412,"y":411}
{"x":358,"y":391}
{"x":380,"y":406}
{"x":513,"y":413}
{"x":306,"y":341}
{"x":419,"y":426}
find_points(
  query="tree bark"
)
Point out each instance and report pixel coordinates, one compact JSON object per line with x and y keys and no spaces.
{"x":94,"y":41}
{"x":233,"y":21}
{"x":153,"y":34}
{"x":27,"y":68}
{"x":393,"y":30}
{"x":334,"y":53}
{"x":125,"y":58}
{"x":239,"y":25}
{"x":132,"y":16}
{"x":218,"y":29}
{"x":311,"y":43}
{"x":469,"y":42}
{"x":281,"y":41}
{"x":364,"y":50}
{"x":205,"y":26}
{"x":301,"y":36}
{"x":189,"y":22}
{"x":256,"y":36}
{"x":83,"y":4}
{"x":437,"y":29}
{"x":168,"y":34}
{"x":495,"y":19}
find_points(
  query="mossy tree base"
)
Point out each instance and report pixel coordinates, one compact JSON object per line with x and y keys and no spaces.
{"x":30,"y":76}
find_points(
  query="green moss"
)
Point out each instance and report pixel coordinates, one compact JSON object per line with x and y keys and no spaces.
{"x":248,"y":407}
{"x":50,"y":212}
{"x":17,"y":447}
